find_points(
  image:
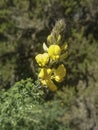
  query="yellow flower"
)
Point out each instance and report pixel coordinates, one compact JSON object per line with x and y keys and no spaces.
{"x":59,"y":73}
{"x":54,"y":52}
{"x":45,"y":74}
{"x":49,"y":84}
{"x":43,"y":82}
{"x":42,"y":59}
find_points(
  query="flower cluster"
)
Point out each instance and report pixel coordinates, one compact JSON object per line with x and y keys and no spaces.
{"x":52,"y":70}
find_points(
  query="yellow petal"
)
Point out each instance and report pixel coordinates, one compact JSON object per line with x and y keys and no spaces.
{"x":51,"y":85}
{"x":45,"y":73}
{"x":41,"y":74}
{"x":42,"y":59}
{"x":43,"y":82}
{"x":60,"y":73}
{"x":54,"y":52}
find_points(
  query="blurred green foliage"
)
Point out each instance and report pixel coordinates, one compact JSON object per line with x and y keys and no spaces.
{"x":24,"y":107}
{"x":82,"y":60}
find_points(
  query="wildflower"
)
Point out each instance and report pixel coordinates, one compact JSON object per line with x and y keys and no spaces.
{"x":59,"y":73}
{"x":54,"y":52}
{"x":45,"y":74}
{"x":42,"y":59}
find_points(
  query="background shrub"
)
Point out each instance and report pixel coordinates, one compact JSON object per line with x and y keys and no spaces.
{"x":24,"y":106}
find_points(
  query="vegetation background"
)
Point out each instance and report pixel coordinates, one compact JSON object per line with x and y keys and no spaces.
{"x":24,"y":26}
